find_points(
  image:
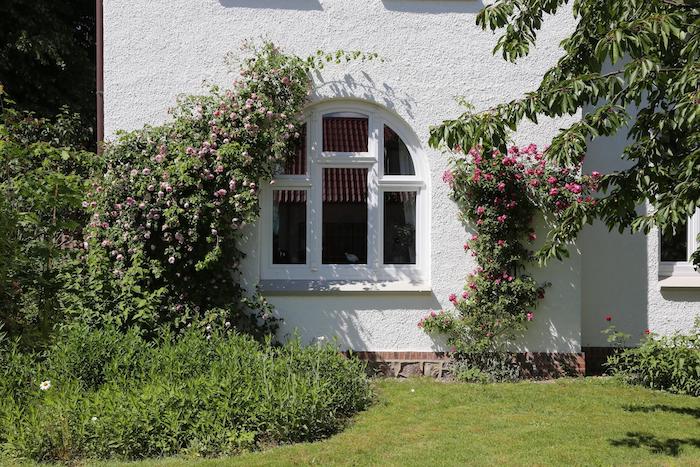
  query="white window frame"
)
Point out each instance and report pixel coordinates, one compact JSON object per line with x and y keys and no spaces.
{"x":316,"y":160}
{"x":683,"y":268}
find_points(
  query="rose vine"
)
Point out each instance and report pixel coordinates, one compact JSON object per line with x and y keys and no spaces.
{"x":499,"y":195}
{"x":162,"y":247}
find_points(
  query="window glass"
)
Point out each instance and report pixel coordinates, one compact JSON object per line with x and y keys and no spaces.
{"x":397,"y":159}
{"x":344,"y":229}
{"x":674,"y":245}
{"x":289,"y":227}
{"x":345,"y":132}
{"x":297,"y":165}
{"x":400,"y":227}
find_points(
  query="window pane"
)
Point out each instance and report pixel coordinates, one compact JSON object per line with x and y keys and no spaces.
{"x":400,"y":227}
{"x":397,"y":159}
{"x":344,"y":216}
{"x":289,"y":227}
{"x":345,"y":132}
{"x":297,"y":165}
{"x":674,"y":246}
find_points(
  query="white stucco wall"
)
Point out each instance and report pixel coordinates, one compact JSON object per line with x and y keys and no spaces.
{"x":432,"y":52}
{"x":620,"y":272}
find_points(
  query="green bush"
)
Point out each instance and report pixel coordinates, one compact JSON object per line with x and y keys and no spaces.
{"x":671,"y":363}
{"x":43,"y":180}
{"x":117,"y":395}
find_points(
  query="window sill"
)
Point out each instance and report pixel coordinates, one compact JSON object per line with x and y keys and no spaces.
{"x":310,"y":287}
{"x":680,"y":282}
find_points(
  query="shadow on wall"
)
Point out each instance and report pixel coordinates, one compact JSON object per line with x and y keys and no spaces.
{"x":349,"y":87}
{"x":360,"y":321}
{"x":615,"y":266}
{"x":273,"y":4}
{"x":434,"y":6}
{"x":680,"y":295}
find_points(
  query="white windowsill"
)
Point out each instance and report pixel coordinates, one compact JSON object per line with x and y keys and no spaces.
{"x":679,"y":282}
{"x":305,"y":287}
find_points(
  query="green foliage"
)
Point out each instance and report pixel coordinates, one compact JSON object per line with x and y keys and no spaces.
{"x":47,"y":58}
{"x":485,"y":367}
{"x":623,"y":54}
{"x":209,"y":392}
{"x":42,"y":183}
{"x":671,"y":363}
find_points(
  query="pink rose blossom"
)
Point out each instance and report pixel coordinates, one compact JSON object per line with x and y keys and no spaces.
{"x":530,"y":316}
{"x":448,"y":177}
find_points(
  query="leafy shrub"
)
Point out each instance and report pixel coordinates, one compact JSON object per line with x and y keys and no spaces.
{"x":486,"y":367}
{"x":208,"y":392}
{"x":671,"y":363}
{"x":43,"y":179}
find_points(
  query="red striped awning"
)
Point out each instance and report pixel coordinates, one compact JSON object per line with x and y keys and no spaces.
{"x":289,"y":196}
{"x":345,"y":134}
{"x":344,"y":185}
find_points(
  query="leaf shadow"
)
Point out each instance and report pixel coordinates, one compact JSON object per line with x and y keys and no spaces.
{"x":668,"y":446}
{"x":692,"y":411}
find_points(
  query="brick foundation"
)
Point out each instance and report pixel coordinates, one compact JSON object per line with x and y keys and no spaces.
{"x":595,"y":358}
{"x":434,"y":364}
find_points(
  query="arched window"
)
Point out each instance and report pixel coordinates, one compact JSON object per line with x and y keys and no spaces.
{"x":352,"y":206}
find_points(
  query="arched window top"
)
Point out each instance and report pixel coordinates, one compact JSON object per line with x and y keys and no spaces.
{"x":353,"y":204}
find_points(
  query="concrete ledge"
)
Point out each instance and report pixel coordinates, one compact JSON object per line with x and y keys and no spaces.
{"x":680,"y":282}
{"x":306,"y":287}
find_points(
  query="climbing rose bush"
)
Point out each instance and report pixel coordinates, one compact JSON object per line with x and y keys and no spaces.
{"x":499,"y":195}
{"x":167,"y":215}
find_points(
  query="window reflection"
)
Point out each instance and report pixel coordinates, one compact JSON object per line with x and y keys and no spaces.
{"x":297,"y":165}
{"x":397,"y":159}
{"x":289,"y":227}
{"x":674,"y":245}
{"x":400,"y":227}
{"x":344,"y":228}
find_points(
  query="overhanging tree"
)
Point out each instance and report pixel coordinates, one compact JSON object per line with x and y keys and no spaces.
{"x":622,"y":54}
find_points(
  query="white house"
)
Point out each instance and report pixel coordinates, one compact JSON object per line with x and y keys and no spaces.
{"x":362,"y":248}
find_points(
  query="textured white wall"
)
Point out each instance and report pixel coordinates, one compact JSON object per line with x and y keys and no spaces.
{"x":620,"y":272}
{"x":432,"y":52}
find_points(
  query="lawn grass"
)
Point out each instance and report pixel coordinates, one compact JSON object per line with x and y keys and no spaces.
{"x":589,"y":421}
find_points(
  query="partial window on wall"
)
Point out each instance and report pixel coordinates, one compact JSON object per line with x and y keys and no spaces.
{"x":674,"y":244}
{"x":351,"y":204}
{"x":676,"y":247}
